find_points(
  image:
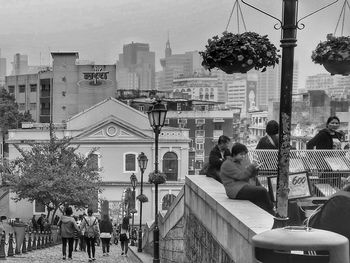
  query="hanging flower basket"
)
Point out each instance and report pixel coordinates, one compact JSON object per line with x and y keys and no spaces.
{"x":133,"y":211}
{"x":142,"y":198}
{"x":333,"y":54}
{"x":239,"y":53}
{"x":157,"y":178}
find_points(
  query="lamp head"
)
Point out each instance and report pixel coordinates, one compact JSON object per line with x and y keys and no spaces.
{"x":142,"y":160}
{"x":157,"y":115}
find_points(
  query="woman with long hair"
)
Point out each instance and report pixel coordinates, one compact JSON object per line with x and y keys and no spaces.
{"x":106,"y":229}
{"x":89,"y":226}
{"x":124,"y":235}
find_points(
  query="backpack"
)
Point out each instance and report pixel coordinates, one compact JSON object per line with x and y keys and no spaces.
{"x":90,"y":229}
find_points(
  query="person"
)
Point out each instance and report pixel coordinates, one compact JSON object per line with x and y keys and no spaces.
{"x":334,"y":215}
{"x":76,"y":234}
{"x":115,"y":234}
{"x":89,"y":226}
{"x":124,"y":235}
{"x":41,"y":222}
{"x":82,"y":245}
{"x":328,"y":138}
{"x":34,"y":223}
{"x":67,"y":226}
{"x":270,"y":140}
{"x":106,"y":229}
{"x":217,"y":156}
{"x":240,"y":181}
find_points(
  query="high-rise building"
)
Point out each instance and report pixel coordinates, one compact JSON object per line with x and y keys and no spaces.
{"x":60,"y":92}
{"x":136,"y":67}
{"x":269,"y":85}
{"x":179,"y":65}
{"x":242,"y":93}
{"x":2,"y":70}
{"x":20,"y":64}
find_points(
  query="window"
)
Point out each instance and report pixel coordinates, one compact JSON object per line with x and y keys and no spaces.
{"x":21,"y":106}
{"x":11,"y":89}
{"x":22,"y":88}
{"x":39,"y":207}
{"x":130,"y":162}
{"x":170,"y":166}
{"x":93,"y":161}
{"x":178,"y":106}
{"x":33,"y":87}
{"x":33,"y":106}
{"x":217,"y":126}
{"x":199,"y":146}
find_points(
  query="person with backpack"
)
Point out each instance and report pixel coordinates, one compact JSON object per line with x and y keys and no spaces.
{"x":90,"y":227}
{"x":67,"y":226}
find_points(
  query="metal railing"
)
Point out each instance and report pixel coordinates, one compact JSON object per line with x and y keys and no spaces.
{"x":327,"y":169}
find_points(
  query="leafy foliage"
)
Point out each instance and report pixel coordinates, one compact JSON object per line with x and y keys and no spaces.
{"x":333,"y":49}
{"x":53,"y":174}
{"x":10,"y":117}
{"x":157,"y":178}
{"x":247,"y":49}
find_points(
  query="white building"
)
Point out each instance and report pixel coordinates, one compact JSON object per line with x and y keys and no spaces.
{"x":120,"y":133}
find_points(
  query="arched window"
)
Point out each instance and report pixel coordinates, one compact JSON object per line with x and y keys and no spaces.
{"x":170,"y":166}
{"x":94,"y":161}
{"x":167,"y":201}
{"x":130,"y":162}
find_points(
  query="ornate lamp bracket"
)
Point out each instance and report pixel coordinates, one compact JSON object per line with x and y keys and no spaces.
{"x":277,"y":26}
{"x":301,"y":26}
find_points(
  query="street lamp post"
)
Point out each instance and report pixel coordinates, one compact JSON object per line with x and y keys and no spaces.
{"x":142,"y":160}
{"x":156,"y":117}
{"x":133,"y":180}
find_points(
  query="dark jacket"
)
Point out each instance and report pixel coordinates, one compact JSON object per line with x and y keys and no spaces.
{"x":323,"y":140}
{"x":106,"y":227}
{"x":68,"y":226}
{"x":265,"y":143}
{"x":215,"y":162}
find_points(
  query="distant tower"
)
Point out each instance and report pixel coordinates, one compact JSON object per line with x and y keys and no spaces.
{"x":167,"y":48}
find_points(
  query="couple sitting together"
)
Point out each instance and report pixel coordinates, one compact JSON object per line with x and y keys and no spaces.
{"x":237,"y":174}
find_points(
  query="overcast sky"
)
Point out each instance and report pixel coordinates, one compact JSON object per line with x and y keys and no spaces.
{"x":99,"y":29}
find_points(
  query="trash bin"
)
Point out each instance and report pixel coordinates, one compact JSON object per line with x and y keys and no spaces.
{"x":19,"y":229}
{"x":300,"y":244}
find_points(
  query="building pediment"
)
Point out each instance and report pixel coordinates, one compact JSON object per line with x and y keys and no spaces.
{"x":113,"y":130}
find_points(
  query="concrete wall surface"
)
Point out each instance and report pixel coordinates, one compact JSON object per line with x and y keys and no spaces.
{"x":203,"y":225}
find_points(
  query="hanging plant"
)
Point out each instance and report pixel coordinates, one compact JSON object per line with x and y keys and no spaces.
{"x":157,"y":178}
{"x":333,"y":54}
{"x":142,"y":198}
{"x":238,"y":53}
{"x":133,"y":211}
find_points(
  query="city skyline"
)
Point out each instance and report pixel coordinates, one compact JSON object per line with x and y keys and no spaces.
{"x":98,"y":31}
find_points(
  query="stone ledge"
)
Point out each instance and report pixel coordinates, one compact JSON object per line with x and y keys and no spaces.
{"x":232,"y":223}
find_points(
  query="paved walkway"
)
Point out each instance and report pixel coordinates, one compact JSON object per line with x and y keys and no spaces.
{"x":54,"y":254}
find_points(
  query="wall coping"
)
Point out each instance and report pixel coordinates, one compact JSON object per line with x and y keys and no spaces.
{"x":247,"y":218}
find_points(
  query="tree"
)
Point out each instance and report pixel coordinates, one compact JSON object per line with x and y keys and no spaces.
{"x":10,"y":117}
{"x":53,"y":174}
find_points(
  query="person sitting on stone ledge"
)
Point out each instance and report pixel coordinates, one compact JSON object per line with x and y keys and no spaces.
{"x":239,"y":179}
{"x":217,"y":156}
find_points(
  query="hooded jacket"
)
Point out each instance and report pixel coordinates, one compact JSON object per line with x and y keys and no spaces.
{"x":68,"y":225}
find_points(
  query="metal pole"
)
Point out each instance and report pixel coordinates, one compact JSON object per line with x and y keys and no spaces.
{"x":140,"y":227}
{"x":156,"y":229}
{"x":288,"y":43}
{"x":133,"y":219}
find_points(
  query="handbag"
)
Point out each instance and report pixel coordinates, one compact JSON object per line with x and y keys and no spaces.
{"x":105,"y":235}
